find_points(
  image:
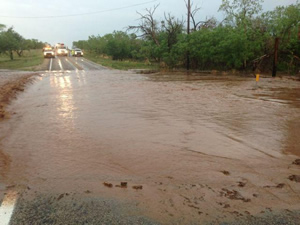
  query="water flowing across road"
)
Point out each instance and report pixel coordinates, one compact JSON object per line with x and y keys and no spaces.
{"x":202,"y":147}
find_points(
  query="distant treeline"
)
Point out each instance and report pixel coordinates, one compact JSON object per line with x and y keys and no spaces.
{"x":243,"y":40}
{"x":11,"y":41}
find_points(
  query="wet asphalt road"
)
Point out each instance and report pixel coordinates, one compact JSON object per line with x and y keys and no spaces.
{"x":187,"y":140}
{"x":25,"y":206}
{"x":60,"y":64}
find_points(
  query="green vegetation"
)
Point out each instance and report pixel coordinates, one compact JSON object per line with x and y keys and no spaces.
{"x":118,"y":64}
{"x":244,"y":40}
{"x":12,"y":43}
{"x":27,"y":61}
{"x":17,"y":52}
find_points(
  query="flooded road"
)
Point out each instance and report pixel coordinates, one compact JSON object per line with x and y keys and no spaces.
{"x":204,"y":148}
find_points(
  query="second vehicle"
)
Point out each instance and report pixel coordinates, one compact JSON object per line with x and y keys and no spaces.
{"x":61,"y":49}
{"x":77,"y":52}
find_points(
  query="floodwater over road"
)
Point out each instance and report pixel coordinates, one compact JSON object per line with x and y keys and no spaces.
{"x":203,"y":147}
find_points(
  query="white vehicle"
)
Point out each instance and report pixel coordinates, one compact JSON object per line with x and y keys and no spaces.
{"x":61,"y":49}
{"x":77,"y":52}
{"x":49,"y":53}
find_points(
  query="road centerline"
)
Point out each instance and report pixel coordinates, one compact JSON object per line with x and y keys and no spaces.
{"x":60,"y":64}
{"x":50,"y":66}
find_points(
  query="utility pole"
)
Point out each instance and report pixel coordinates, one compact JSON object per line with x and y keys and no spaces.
{"x":188,"y":33}
{"x":276,"y":45}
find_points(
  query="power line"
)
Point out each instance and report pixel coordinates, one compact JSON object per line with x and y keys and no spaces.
{"x":79,"y":14}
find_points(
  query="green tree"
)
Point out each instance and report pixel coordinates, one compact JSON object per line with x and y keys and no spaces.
{"x":283,"y":23}
{"x":239,"y":12}
{"x":10,"y":41}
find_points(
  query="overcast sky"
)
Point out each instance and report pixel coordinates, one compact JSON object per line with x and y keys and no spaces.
{"x":115,"y":15}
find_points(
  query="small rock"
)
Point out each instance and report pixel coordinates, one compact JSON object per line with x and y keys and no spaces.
{"x":137,"y":187}
{"x":108,"y":184}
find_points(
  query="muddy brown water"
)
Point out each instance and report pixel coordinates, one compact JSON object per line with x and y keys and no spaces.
{"x":188,"y":140}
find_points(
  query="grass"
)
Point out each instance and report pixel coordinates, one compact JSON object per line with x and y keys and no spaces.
{"x":120,"y":65}
{"x":28,"y":61}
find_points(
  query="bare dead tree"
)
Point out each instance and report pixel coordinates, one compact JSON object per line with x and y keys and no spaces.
{"x":193,"y":13}
{"x":173,"y":27}
{"x":197,"y":25}
{"x":209,"y":23}
{"x":148,"y":25}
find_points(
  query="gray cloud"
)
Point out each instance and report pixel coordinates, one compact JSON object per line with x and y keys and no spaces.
{"x":76,"y":28}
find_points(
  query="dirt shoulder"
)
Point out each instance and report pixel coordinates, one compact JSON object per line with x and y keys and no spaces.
{"x":11,"y":82}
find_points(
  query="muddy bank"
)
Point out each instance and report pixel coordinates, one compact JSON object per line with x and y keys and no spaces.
{"x":11,"y":82}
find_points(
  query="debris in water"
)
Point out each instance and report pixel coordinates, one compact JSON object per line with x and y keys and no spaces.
{"x":241,"y":184}
{"x":137,"y":187}
{"x":295,"y":178}
{"x":10,"y":186}
{"x":226,"y":206}
{"x":108,"y":184}
{"x":123,"y":184}
{"x":60,"y":197}
{"x":281,"y":185}
{"x":233,"y":195}
{"x":225,"y":172}
{"x":297,"y":162}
